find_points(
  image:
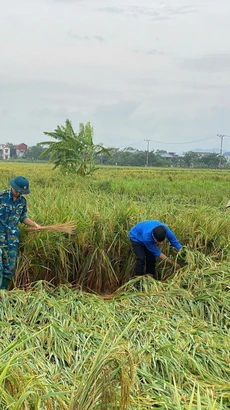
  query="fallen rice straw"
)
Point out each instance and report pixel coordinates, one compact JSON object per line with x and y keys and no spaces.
{"x":67,"y":227}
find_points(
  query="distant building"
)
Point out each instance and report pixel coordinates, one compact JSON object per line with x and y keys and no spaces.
{"x":168,"y":155}
{"x":4,"y":151}
{"x":21,"y":149}
{"x":203,"y":154}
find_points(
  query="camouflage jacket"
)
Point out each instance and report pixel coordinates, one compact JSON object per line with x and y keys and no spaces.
{"x":11,"y":213}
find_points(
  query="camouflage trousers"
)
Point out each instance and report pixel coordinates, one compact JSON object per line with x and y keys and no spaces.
{"x":8,"y":258}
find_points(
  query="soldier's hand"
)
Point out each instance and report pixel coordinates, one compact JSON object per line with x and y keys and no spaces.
{"x":36,"y":226}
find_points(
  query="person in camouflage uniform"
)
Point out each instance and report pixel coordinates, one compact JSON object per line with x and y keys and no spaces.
{"x":13,"y":209}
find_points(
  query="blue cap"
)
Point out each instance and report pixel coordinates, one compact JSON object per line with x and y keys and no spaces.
{"x":20,"y":184}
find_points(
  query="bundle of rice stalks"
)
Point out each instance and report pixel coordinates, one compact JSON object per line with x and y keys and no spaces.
{"x":67,"y":227}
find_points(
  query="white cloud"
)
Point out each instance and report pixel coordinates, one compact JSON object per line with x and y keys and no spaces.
{"x":159,"y":70}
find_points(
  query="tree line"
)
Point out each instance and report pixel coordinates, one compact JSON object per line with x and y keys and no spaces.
{"x":132,"y":157}
{"x":76,"y":152}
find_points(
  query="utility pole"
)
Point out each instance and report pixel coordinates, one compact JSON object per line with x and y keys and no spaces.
{"x":147,"y":153}
{"x":221,"y":147}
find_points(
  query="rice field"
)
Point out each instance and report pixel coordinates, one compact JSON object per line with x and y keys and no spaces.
{"x":77,"y":332}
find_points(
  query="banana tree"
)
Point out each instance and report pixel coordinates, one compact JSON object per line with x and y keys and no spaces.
{"x":72,"y":152}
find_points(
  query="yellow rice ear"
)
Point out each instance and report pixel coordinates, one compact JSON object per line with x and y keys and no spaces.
{"x":68,"y":227}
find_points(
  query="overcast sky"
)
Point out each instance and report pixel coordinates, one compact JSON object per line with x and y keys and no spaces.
{"x":136,"y":69}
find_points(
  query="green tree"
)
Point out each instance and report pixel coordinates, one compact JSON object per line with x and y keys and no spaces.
{"x":72,"y":152}
{"x":213,"y":160}
{"x":190,"y":158}
{"x":155,"y":159}
{"x":35,"y":152}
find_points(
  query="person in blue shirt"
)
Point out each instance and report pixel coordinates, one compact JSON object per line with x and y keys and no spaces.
{"x":13,"y":209}
{"x":145,"y":238}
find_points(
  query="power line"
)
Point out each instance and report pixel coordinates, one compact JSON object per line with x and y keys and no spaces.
{"x":161,"y":142}
{"x":186,"y":142}
{"x":130,"y":144}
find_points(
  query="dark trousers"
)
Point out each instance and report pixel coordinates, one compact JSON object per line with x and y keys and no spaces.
{"x":8,"y":258}
{"x":144,"y":257}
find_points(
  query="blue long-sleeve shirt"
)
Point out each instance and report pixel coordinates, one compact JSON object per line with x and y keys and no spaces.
{"x":11,"y":213}
{"x":142,"y":233}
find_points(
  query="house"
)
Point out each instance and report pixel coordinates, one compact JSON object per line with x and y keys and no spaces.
{"x":21,"y":149}
{"x":168,"y":155}
{"x":4,"y":151}
{"x":203,"y":154}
